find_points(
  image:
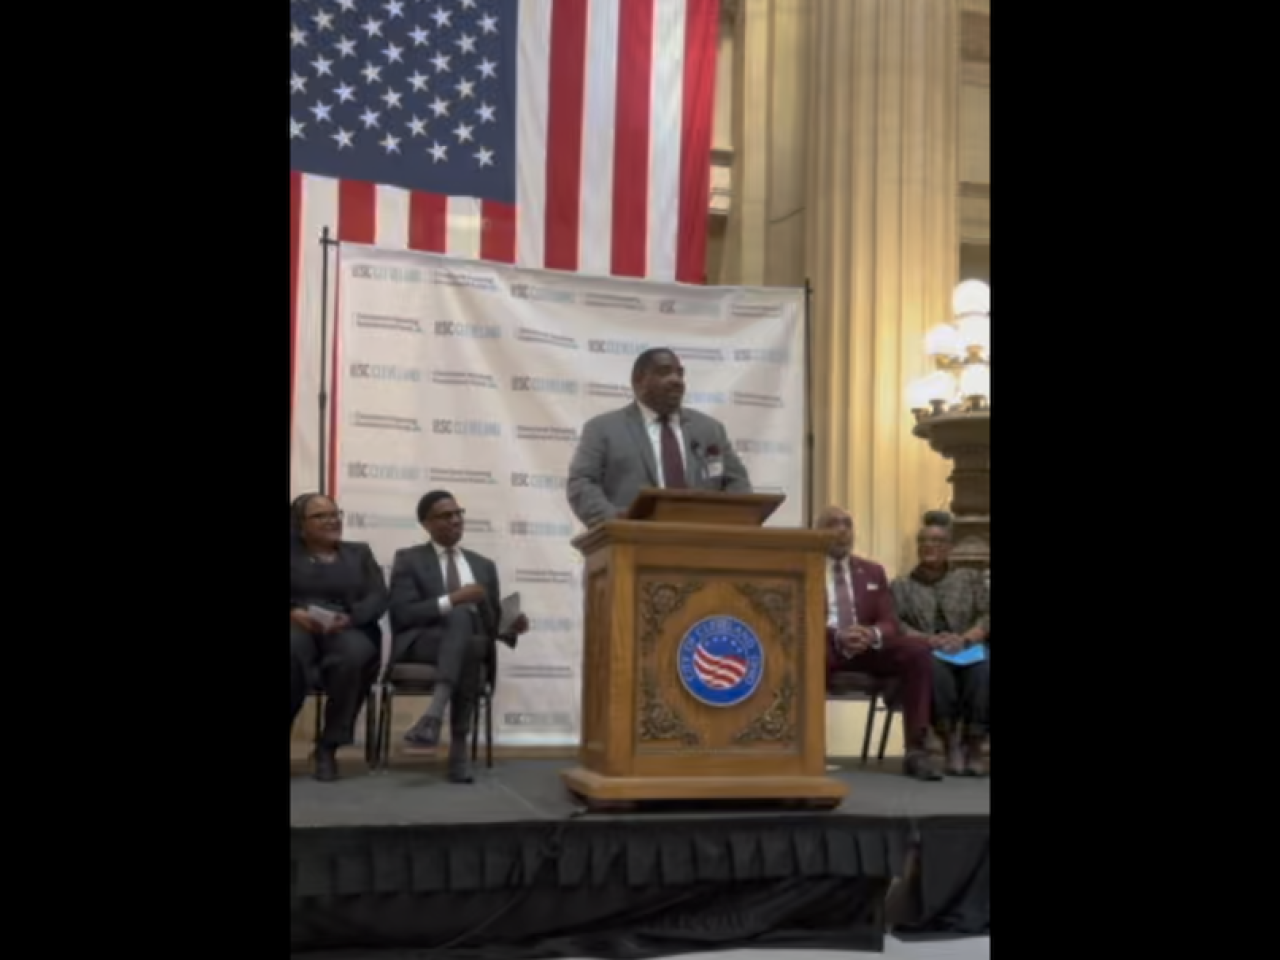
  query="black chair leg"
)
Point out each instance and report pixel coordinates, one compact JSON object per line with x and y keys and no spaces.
{"x":871,"y":727}
{"x":319,"y":728}
{"x":384,"y":727}
{"x":488,"y":730}
{"x":371,"y":729}
{"x":475,"y":729}
{"x":889,"y":711}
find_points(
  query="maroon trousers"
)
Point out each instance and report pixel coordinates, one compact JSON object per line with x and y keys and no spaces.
{"x":908,"y":660}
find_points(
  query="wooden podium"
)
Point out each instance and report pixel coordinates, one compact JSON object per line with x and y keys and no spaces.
{"x":703,"y":673}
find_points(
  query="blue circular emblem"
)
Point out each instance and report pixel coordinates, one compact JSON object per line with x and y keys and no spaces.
{"x":720,"y":661}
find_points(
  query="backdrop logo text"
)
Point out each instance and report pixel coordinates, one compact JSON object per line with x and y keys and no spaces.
{"x":384,"y":371}
{"x":565,"y":388}
{"x":473,"y":331}
{"x":367,"y":271}
{"x":359,"y":470}
{"x":466,"y":428}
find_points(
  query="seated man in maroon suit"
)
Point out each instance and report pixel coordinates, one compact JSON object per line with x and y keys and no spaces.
{"x":863,"y":636}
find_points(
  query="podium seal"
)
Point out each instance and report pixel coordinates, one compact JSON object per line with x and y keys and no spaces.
{"x":720,"y":661}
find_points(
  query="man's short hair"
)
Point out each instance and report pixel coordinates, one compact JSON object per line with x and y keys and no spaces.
{"x":429,"y":500}
{"x":647,"y":359}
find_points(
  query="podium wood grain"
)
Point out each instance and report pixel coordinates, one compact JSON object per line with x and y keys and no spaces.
{"x":644,"y":736}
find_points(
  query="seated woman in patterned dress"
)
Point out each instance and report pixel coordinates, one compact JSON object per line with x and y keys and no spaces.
{"x":950,"y":608}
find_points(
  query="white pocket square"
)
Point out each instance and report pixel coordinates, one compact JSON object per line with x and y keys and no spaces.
{"x":873,"y":586}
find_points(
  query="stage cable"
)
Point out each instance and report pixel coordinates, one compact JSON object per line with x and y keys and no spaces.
{"x":548,"y":852}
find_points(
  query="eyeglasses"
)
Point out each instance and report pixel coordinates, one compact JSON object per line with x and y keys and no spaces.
{"x":326,"y":515}
{"x":449,"y":515}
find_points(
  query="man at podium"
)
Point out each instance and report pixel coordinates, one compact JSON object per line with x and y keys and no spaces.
{"x":653,"y":442}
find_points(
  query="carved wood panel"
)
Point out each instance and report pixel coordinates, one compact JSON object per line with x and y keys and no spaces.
{"x":670,"y":718}
{"x":596,"y":659}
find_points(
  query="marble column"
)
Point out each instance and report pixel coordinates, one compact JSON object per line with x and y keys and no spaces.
{"x":881,"y":250}
{"x":764,"y":243}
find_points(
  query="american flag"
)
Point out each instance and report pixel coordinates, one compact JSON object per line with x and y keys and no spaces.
{"x":720,"y":663}
{"x":566,"y":134}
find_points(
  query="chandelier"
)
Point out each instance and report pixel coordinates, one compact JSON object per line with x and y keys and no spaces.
{"x":961,"y":354}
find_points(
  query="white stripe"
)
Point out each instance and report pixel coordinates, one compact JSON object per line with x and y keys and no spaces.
{"x":533,"y":65}
{"x":319,"y":210}
{"x":462,"y":228}
{"x":391,"y":218}
{"x":666,"y":107}
{"x":595,"y":234}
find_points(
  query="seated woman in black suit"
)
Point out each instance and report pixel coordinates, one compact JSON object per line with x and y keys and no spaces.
{"x":341,"y":578}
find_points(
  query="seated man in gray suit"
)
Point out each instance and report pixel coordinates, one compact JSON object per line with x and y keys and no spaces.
{"x":445,"y":609}
{"x":652,"y":442}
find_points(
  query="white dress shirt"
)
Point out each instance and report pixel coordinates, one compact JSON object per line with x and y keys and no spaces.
{"x":465,"y":575}
{"x":654,"y":427}
{"x":833,"y":611}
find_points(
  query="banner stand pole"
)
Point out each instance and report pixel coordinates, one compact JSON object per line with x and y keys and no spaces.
{"x":325,"y":243}
{"x":808,"y":405}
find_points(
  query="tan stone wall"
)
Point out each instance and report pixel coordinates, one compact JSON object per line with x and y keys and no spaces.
{"x":786,"y":174}
{"x":859,"y":140}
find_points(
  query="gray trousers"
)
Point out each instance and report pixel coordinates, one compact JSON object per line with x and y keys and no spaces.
{"x":458,"y":651}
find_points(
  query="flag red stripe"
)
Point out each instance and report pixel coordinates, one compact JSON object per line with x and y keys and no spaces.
{"x":357,"y":211}
{"x":632,"y":121}
{"x":497,"y":231}
{"x":701,"y":23}
{"x":566,"y":97}
{"x":428,"y":222}
{"x":295,"y":253}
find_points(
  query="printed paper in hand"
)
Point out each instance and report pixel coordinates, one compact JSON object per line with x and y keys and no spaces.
{"x":510,"y":611}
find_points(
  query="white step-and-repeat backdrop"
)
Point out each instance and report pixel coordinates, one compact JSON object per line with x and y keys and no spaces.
{"x":476,"y":378}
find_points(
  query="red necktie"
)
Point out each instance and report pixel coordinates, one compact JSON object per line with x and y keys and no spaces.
{"x":844,"y":598}
{"x":452,"y":578}
{"x":672,"y":461}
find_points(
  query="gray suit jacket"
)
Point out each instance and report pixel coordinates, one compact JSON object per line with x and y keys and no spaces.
{"x":417,"y":585}
{"x":614,"y":462}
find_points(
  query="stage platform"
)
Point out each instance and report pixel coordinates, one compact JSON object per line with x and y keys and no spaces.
{"x":512,"y":866}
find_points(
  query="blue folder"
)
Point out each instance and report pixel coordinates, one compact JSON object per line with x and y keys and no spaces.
{"x":970,"y":655}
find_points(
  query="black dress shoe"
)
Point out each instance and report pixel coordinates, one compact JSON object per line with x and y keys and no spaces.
{"x":459,"y":767}
{"x":922,"y":766}
{"x":423,"y":736}
{"x":326,"y":764}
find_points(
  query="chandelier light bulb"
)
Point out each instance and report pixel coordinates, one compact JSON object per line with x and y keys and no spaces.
{"x":943,"y":341}
{"x":919,"y":394}
{"x":975,"y":381}
{"x":960,"y":352}
{"x":941,"y":387}
{"x":975,"y":332}
{"x":971,"y":297}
